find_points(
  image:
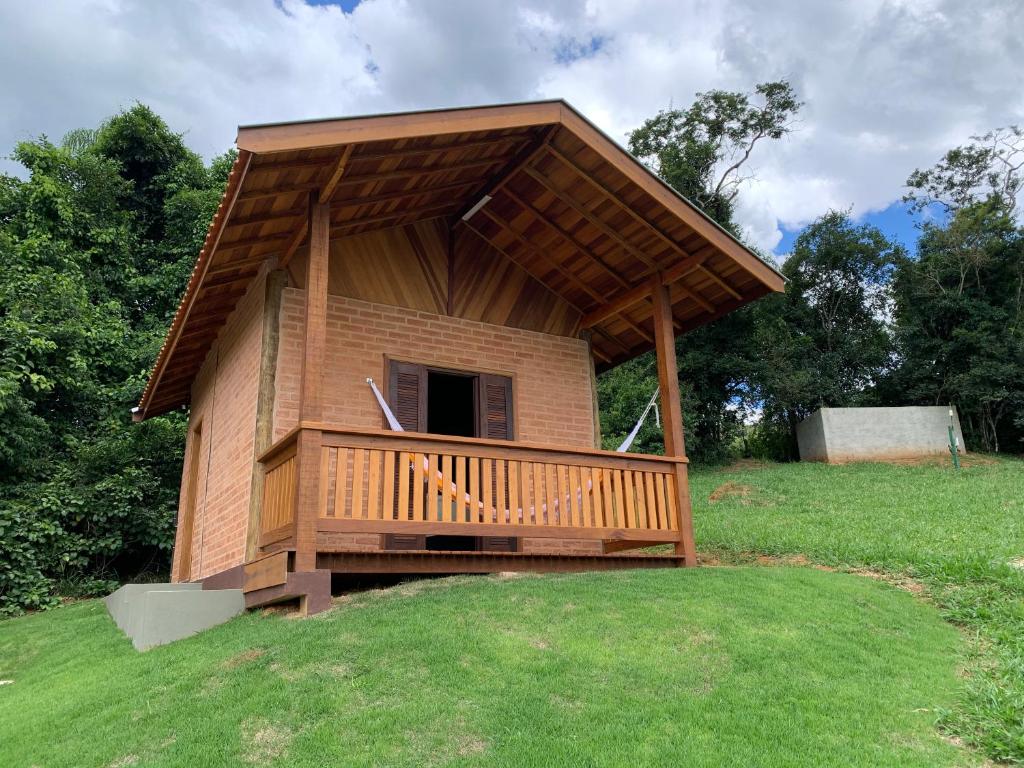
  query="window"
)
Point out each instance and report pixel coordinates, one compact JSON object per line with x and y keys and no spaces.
{"x":447,"y":402}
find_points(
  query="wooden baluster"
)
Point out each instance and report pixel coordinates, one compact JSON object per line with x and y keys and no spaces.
{"x":539,"y":516}
{"x":341,"y":482}
{"x":418,"y":491}
{"x":403,"y":484}
{"x":357,"y":483}
{"x":670,"y":497}
{"x":643,"y":511}
{"x":652,"y":504}
{"x":586,"y":518}
{"x":446,"y":488}
{"x":432,"y":509}
{"x":597,"y":497}
{"x":659,"y":493}
{"x":512,"y":502}
{"x":630,"y":516}
{"x":490,"y":516}
{"x":373,"y":494}
{"x":389,"y":506}
{"x":574,"y":498}
{"x":551,"y":495}
{"x":460,"y":489}
{"x":606,"y":495}
{"x":474,"y":490}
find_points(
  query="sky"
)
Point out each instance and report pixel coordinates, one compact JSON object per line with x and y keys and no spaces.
{"x":888,"y":86}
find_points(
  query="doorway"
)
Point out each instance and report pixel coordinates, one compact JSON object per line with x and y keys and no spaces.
{"x":451,"y":403}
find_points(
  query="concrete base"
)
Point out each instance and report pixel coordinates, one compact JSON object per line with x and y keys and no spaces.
{"x":157,"y":614}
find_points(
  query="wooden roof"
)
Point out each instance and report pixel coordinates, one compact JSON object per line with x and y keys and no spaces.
{"x":567,"y":204}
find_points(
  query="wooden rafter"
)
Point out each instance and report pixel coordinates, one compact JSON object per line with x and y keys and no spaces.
{"x":406,"y":173}
{"x":262,"y":194}
{"x":264,"y":218}
{"x":327,"y":190}
{"x":359,"y":202}
{"x":614,"y":236}
{"x":433,"y":150}
{"x":719,"y":281}
{"x":249,"y":242}
{"x":436,"y":209}
{"x":497,"y":182}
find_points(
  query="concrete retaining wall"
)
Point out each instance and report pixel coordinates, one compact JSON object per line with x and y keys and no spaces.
{"x":876,"y":434}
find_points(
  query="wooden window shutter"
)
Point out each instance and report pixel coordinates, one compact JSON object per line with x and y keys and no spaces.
{"x":496,"y":407}
{"x":407,"y":395}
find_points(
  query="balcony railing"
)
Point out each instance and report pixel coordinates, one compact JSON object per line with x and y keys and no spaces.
{"x":376,"y":481}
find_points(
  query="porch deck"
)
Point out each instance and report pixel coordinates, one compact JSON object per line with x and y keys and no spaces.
{"x":414,"y":485}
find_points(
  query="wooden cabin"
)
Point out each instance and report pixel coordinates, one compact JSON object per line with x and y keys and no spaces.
{"x":480,"y":266}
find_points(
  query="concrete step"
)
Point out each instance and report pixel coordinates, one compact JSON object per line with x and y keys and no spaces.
{"x":157,"y":614}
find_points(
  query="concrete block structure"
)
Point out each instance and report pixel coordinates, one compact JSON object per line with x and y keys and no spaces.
{"x":157,"y":614}
{"x":877,"y":434}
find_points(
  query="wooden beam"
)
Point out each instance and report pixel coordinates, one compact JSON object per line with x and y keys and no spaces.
{"x":436,"y":209}
{"x":266,"y":391}
{"x":719,"y":281}
{"x":672,"y":413}
{"x":406,"y":173}
{"x":265,"y":218}
{"x":418,"y":191}
{"x":433,"y":150}
{"x":249,"y":242}
{"x":327,"y":190}
{"x":307,"y":490}
{"x":564,"y":197}
{"x":522,"y":158}
{"x":259,"y":194}
{"x":326,"y":133}
{"x":663,"y":194}
{"x":582,"y":249}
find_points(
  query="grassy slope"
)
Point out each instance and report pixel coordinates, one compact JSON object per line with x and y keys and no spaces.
{"x":957,"y":532}
{"x":712,"y":667}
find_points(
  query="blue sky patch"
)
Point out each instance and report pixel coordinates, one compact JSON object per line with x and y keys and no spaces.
{"x":895,"y":221}
{"x":570,"y":49}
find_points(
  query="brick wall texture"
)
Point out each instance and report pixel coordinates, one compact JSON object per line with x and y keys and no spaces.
{"x":551,"y":396}
{"x":224,"y":408}
{"x":551,"y":374}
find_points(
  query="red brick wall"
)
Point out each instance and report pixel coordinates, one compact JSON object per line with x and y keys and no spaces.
{"x":224,"y":401}
{"x":551,"y":374}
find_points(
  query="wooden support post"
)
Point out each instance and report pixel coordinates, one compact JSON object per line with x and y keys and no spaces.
{"x":277,"y":279}
{"x":307,"y":491}
{"x":587,"y":335}
{"x":672,"y":413}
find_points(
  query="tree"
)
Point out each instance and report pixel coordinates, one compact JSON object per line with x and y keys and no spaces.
{"x":97,"y":244}
{"x":701,"y":151}
{"x":989,"y":169}
{"x":828,"y":340}
{"x":961,"y":324}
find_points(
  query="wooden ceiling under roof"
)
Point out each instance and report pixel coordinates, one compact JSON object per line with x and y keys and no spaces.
{"x":567,"y":204}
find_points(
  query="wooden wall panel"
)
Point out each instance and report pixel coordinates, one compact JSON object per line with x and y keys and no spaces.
{"x":408,"y":267}
{"x":490,"y":288}
{"x":403,"y":266}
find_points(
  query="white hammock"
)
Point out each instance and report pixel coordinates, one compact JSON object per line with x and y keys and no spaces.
{"x":396,"y":426}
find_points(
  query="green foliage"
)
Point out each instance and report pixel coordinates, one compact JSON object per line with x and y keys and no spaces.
{"x":960,"y":319}
{"x":701,"y":151}
{"x":97,"y":243}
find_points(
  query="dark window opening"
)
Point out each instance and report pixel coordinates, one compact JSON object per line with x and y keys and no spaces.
{"x":452,"y":544}
{"x":451,"y":404}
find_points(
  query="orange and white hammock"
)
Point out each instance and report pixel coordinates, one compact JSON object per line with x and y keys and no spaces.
{"x":452,"y":492}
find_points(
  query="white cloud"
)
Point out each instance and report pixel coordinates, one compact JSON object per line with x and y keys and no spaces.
{"x":888,"y":85}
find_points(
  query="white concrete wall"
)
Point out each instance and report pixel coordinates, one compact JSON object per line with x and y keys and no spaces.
{"x":859,"y":434}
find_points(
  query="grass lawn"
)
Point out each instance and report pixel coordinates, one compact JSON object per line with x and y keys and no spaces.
{"x":709,"y":667}
{"x":739,"y":665}
{"x":961,"y":534}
